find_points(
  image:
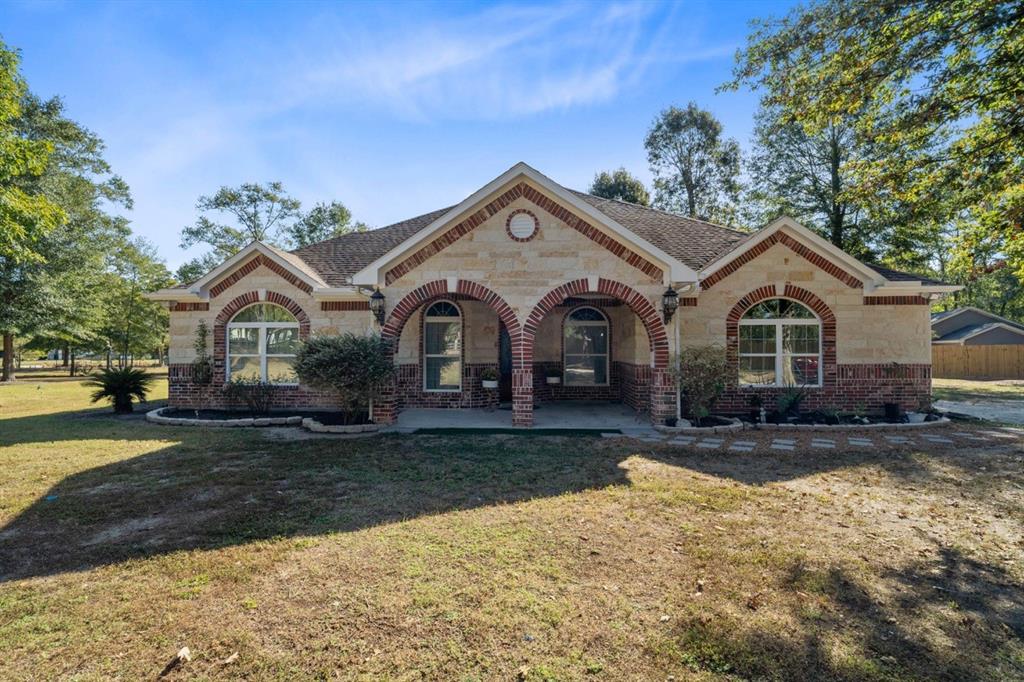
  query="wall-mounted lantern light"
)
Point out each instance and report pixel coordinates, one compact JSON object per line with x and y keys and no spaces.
{"x":377,"y":305}
{"x":669,"y":303}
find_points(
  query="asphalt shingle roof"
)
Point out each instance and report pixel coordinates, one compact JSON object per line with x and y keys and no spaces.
{"x":693,"y":242}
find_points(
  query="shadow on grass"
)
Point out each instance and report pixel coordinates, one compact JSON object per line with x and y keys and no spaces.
{"x":217,"y":488}
{"x":839,"y":632}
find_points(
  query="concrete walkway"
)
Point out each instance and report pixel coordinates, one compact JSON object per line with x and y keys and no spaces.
{"x":1006,"y":411}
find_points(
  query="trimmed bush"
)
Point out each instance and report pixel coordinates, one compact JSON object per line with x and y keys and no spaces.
{"x":701,"y":373}
{"x":251,"y":392}
{"x":354,"y":367}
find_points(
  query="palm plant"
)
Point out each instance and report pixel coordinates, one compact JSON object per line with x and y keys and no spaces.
{"x":120,"y":386}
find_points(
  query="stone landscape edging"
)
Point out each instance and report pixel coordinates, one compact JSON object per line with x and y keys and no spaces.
{"x":156,"y":417}
{"x":735,"y":425}
{"x":313,"y":425}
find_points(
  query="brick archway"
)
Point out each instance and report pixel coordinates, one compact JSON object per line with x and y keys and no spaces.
{"x":795,"y":293}
{"x":243,"y":301}
{"x":384,"y":407}
{"x":662,"y":390}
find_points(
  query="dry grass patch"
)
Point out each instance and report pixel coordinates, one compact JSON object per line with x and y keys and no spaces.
{"x":501,"y":557}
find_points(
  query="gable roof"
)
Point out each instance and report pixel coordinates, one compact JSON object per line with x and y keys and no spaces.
{"x":967,"y":331}
{"x":676,"y":269}
{"x":687,"y":246}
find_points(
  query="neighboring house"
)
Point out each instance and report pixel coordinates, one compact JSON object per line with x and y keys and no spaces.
{"x":970,"y":326}
{"x":528,"y":277}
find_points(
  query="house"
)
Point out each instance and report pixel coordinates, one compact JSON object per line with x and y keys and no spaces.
{"x":969,"y":326}
{"x":531,"y":278}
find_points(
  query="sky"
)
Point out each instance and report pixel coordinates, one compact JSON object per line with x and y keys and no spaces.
{"x":394,"y":109}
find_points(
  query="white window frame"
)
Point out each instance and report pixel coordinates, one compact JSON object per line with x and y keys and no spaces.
{"x":261,"y":345}
{"x":607,"y":354}
{"x":457,"y":355}
{"x":778,"y":354}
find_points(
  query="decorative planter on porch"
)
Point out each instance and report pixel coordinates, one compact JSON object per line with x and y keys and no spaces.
{"x":554,"y":381}
{"x":489,"y":384}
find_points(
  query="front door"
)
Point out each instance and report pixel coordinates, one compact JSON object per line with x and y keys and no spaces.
{"x":504,"y":365}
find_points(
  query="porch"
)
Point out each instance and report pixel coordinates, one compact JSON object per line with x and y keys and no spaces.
{"x":600,"y":352}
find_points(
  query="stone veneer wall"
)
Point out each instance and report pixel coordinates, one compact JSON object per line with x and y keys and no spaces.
{"x":875,"y":350}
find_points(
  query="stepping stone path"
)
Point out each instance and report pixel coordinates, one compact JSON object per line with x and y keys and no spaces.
{"x":899,"y":440}
{"x":816,"y":442}
{"x":935,"y":439}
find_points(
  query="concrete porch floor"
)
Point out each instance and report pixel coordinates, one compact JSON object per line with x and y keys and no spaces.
{"x":599,"y":416}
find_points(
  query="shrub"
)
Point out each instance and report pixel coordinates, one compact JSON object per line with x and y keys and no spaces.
{"x":553,"y":372}
{"x":120,"y":386}
{"x":789,"y":401}
{"x":202,"y":365}
{"x":488,"y":374}
{"x":701,"y":373}
{"x":354,"y":366}
{"x":253,"y":392}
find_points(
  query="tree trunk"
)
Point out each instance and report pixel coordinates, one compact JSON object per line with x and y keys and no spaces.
{"x":8,"y":364}
{"x":64,"y":352}
{"x":72,"y":363}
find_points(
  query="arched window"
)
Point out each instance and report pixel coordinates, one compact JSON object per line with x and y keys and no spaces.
{"x":780,"y":345}
{"x":442,"y":348}
{"x":586,"y":348}
{"x":262,"y":341}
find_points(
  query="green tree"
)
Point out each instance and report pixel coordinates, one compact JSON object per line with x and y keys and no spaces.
{"x":322,"y":222}
{"x":53,"y":293}
{"x":806,"y":176}
{"x":935,"y":85}
{"x":256,"y":212}
{"x":621,"y":186}
{"x":26,"y":215}
{"x":133,"y":325}
{"x":696,"y":171}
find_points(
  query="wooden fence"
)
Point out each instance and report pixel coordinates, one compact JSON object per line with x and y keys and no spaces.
{"x":978,"y":362}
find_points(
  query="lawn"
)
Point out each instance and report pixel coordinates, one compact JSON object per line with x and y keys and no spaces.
{"x":964,"y":390}
{"x":503,"y":557}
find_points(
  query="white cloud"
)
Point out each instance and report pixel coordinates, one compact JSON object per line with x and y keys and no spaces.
{"x":501,"y":63}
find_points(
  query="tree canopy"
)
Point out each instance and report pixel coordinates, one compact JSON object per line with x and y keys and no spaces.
{"x":621,"y":186}
{"x":696,"y":170}
{"x":258,"y":212}
{"x":934,"y":85}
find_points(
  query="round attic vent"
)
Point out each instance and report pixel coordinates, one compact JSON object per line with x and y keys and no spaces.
{"x":521,"y":225}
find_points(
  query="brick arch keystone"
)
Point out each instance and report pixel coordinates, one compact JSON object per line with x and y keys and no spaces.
{"x":243,"y":301}
{"x":795,"y":293}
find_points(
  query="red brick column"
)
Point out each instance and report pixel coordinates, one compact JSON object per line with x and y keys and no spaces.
{"x":522,"y":397}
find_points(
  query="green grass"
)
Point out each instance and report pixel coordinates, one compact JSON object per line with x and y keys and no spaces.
{"x":963,"y":390}
{"x":470,"y":557}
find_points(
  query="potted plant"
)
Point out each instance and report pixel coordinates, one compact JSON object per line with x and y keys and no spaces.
{"x":489,"y":378}
{"x":553,"y":375}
